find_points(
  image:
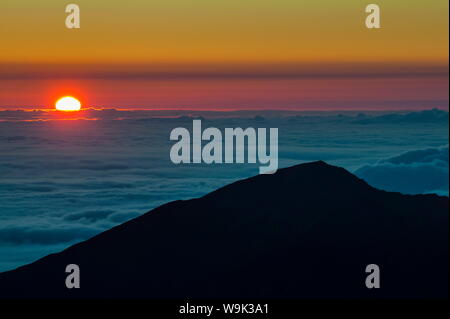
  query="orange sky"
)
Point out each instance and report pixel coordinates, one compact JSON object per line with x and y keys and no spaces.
{"x":221,"y":41}
{"x":139,"y":31}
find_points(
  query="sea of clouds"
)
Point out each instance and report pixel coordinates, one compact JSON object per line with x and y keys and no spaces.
{"x":63,"y":181}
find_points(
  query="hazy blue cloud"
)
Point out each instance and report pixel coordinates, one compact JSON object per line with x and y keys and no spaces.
{"x":44,"y":235}
{"x":414,"y":172}
{"x":122,"y":217}
{"x":89,"y":215}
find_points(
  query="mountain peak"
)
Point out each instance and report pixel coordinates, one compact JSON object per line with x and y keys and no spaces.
{"x":315,"y":168}
{"x":307,"y":230}
{"x":313,"y":177}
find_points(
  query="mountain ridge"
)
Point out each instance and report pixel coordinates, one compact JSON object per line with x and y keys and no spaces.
{"x":306,"y":231}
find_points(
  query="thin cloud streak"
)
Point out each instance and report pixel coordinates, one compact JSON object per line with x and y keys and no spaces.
{"x":221,"y":71}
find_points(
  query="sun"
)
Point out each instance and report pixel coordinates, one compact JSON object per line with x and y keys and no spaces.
{"x":68,"y":103}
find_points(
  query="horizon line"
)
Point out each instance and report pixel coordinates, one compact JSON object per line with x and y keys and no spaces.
{"x":31,"y":109}
{"x":224,"y":70}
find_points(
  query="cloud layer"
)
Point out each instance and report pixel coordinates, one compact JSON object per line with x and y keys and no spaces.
{"x":65,"y":181}
{"x":413,"y":172}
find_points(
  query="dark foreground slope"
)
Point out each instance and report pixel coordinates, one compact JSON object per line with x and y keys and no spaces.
{"x":306,"y":231}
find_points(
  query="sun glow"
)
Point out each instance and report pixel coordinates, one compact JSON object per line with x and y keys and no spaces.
{"x":68,"y":103}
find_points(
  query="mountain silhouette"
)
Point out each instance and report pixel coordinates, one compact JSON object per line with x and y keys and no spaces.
{"x":306,"y":231}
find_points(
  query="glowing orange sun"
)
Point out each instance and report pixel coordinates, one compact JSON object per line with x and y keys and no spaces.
{"x":68,"y":103}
